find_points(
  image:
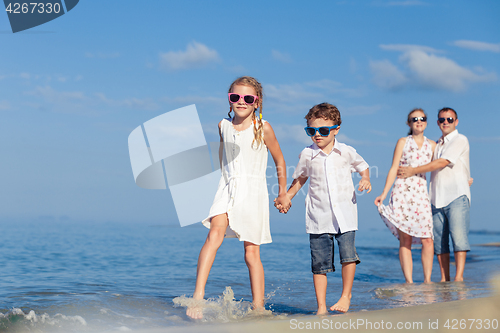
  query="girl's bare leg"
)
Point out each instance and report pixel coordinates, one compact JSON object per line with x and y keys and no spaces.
{"x":320,"y":285}
{"x":256,"y":272}
{"x":427,"y":258}
{"x":405,"y":256}
{"x":348,"y":271}
{"x":206,"y":259}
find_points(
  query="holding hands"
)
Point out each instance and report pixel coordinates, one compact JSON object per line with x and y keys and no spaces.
{"x":283,"y":203}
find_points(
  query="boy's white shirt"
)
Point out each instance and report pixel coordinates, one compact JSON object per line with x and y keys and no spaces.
{"x":331,"y":199}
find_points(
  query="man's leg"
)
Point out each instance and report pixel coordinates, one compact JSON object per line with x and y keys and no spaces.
{"x":460,"y":257}
{"x":441,"y":242}
{"x":458,"y":216}
{"x":444,"y":266}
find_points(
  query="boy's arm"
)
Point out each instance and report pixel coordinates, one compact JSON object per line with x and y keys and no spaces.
{"x":296,"y":186}
{"x":364,"y":183}
{"x":292,"y":191}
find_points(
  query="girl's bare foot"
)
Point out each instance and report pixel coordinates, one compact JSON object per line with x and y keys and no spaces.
{"x":194,"y":312}
{"x":195,"y":309}
{"x":342,"y":305}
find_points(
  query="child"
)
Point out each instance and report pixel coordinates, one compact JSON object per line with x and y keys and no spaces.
{"x":331,"y":201}
{"x":241,"y":207}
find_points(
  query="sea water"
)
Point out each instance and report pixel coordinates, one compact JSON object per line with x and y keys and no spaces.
{"x":109,"y":277}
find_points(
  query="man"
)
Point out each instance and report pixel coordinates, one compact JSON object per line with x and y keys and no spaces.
{"x":449,"y":193}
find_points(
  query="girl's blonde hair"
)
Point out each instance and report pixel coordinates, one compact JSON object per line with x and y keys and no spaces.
{"x":258,"y":128}
{"x":408,"y":120}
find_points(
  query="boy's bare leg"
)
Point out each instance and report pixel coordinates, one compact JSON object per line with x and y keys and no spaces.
{"x":405,"y":258}
{"x":256,"y":272}
{"x":427,"y":258}
{"x":460,"y":257}
{"x":206,"y":259}
{"x":320,"y":284}
{"x":348,"y":271}
{"x":444,"y":266}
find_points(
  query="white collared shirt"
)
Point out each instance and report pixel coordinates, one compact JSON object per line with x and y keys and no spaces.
{"x":452,"y":181}
{"x":331,"y":199}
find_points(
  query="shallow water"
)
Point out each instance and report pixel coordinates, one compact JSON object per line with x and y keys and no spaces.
{"x":60,"y":277}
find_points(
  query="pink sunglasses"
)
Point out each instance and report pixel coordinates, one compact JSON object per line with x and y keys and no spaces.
{"x":235,"y":98}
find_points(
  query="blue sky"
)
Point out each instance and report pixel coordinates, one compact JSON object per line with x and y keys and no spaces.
{"x":73,"y":89}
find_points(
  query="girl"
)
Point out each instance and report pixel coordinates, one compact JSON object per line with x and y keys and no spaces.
{"x":241,"y":208}
{"x":409,"y":214}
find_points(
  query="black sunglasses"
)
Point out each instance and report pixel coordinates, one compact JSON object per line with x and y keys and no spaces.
{"x":415,"y":119}
{"x":323,"y":131}
{"x":235,"y":98}
{"x":449,"y":119}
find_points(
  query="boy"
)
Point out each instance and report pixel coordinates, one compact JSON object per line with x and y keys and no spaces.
{"x":331,"y":201}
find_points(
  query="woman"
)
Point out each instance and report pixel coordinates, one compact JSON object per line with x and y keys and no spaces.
{"x":409,"y":214}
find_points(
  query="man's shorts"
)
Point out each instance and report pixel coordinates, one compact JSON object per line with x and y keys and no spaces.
{"x":322,"y":251}
{"x":452,"y":220}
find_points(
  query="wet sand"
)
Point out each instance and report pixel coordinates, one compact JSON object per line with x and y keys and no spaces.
{"x":471,"y":315}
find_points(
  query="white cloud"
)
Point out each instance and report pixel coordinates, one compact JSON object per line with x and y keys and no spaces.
{"x":288,"y":93}
{"x":345,"y":139}
{"x":386,"y":75}
{"x":478,"y":46}
{"x":196,"y":55}
{"x":425,"y":69}
{"x":408,"y":48}
{"x":292,"y":133}
{"x":440,"y":72}
{"x":283,"y":57}
{"x":56,"y":97}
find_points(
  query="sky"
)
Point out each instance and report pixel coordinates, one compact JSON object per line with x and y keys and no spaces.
{"x":73,"y":89}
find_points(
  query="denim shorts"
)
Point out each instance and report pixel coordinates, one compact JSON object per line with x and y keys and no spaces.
{"x":322,"y":251}
{"x":452,"y":220}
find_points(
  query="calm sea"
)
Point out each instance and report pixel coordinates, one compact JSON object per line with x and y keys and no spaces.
{"x":64,"y":277}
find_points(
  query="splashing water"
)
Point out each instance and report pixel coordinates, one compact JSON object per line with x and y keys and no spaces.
{"x":222,"y":309}
{"x":21,"y":321}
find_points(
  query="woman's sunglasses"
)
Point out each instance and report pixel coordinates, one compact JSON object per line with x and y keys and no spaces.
{"x":323,"y":131}
{"x":450,"y":120}
{"x":415,"y":119}
{"x":235,"y":98}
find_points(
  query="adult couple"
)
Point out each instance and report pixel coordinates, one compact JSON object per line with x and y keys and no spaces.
{"x":410,"y":215}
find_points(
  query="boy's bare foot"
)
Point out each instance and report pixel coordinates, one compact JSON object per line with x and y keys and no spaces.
{"x":342,"y":305}
{"x":322,"y":311}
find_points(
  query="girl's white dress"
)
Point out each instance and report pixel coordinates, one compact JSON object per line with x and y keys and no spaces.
{"x":409,"y":208}
{"x":242,"y":191}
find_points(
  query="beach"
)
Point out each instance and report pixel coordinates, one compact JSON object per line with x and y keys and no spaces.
{"x":116,"y":277}
{"x":470,"y":315}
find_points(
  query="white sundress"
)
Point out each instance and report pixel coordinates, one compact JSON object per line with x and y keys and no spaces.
{"x":409,"y":208}
{"x":242,"y":191}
